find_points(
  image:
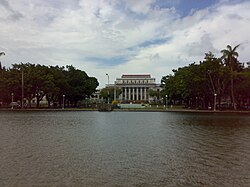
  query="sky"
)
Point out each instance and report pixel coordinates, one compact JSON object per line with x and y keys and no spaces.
{"x":121,"y":36}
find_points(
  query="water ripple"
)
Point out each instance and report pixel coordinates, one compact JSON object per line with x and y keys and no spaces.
{"x":124,"y":149}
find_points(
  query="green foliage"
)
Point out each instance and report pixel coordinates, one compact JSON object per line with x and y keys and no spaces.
{"x":105,"y":92}
{"x":109,"y":92}
{"x":229,"y":55}
{"x":196,"y":84}
{"x":42,"y":81}
{"x":154,"y":93}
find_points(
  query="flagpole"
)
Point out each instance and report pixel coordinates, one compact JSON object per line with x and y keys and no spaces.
{"x":22,"y":88}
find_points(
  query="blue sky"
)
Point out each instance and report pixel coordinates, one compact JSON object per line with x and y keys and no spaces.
{"x":185,"y":7}
{"x":125,"y":36}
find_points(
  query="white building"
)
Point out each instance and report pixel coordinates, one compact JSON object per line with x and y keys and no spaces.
{"x":136,"y":87}
{"x":96,"y":97}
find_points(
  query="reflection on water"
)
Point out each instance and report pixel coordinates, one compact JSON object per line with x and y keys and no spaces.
{"x":124,"y":149}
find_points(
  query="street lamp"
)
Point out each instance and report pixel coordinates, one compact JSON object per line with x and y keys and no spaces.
{"x":12,"y":97}
{"x":212,"y":82}
{"x":115,"y":92}
{"x":108,"y":86}
{"x":22,"y":89}
{"x":215,"y":101}
{"x":63,"y":101}
{"x":166,"y":101}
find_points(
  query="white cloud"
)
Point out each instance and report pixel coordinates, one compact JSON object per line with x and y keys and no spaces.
{"x":153,"y":39}
{"x":139,"y":7}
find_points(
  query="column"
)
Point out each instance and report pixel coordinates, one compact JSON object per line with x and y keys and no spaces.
{"x":125,"y":92}
{"x":145,"y":93}
{"x":137,"y":94}
{"x":133,"y":93}
{"x":141,"y":93}
{"x":129,"y":93}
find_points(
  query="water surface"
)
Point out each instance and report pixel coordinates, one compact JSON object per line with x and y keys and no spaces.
{"x":124,"y":149}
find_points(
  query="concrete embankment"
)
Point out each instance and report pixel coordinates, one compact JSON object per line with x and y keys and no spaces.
{"x":180,"y":110}
{"x":132,"y":110}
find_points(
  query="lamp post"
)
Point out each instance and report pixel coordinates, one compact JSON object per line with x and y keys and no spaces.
{"x":215,"y":101}
{"x":212,"y":82}
{"x":166,"y":102}
{"x":63,"y":101}
{"x":12,"y":97}
{"x":115,"y":92}
{"x":22,"y":89}
{"x":108,"y":86}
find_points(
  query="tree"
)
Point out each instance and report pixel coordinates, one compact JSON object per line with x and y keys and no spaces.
{"x":242,"y":89}
{"x":80,"y":85}
{"x":155,"y":94}
{"x":185,"y":84}
{"x":230,"y":57}
{"x":196,"y":84}
{"x":42,"y":81}
{"x":2,"y":53}
{"x":208,"y":83}
{"x":216,"y":77}
{"x":58,"y":85}
{"x":4,"y":93}
{"x":109,"y":92}
{"x":91,"y":84}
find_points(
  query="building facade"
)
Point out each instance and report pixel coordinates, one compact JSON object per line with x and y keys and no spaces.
{"x":136,"y":87}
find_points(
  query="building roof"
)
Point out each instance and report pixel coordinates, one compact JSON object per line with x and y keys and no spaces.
{"x":136,"y":76}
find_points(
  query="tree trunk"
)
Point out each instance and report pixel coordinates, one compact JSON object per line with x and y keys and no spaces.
{"x":48,"y":103}
{"x":232,"y":88}
{"x":37,"y":102}
{"x":29,"y":101}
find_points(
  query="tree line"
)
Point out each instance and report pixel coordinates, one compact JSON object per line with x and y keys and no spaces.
{"x":57,"y":84}
{"x":219,"y":83}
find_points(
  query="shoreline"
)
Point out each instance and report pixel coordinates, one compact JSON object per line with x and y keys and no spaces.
{"x":129,"y":110}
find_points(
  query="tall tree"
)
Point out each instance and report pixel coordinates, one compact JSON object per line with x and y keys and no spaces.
{"x":108,"y":92}
{"x":230,"y":57}
{"x":2,"y":53}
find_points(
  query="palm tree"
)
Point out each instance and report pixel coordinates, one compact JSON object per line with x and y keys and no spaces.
{"x":230,"y":56}
{"x":2,"y":53}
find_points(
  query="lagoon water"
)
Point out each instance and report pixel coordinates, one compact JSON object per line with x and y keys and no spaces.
{"x":146,"y":149}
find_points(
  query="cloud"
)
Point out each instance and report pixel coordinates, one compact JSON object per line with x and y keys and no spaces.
{"x":5,"y":4}
{"x":12,"y":14}
{"x":139,"y":7}
{"x":197,"y":48}
{"x":116,"y":37}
